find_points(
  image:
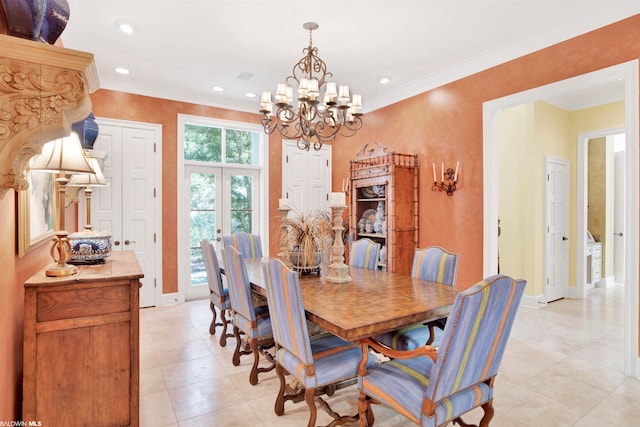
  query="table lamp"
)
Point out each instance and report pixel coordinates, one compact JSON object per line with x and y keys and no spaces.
{"x":89,"y":246}
{"x":62,"y":156}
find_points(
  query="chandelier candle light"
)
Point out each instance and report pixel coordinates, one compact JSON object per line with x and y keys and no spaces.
{"x":338,"y":270}
{"x":313,"y":122}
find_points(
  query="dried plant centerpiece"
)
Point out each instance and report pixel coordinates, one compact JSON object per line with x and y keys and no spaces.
{"x":307,"y":240}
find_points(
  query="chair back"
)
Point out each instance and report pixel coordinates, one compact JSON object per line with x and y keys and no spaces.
{"x":212,"y":267}
{"x":249,"y":245}
{"x":475,"y":335}
{"x":364,"y":253}
{"x":244,"y":316}
{"x":288,"y":320}
{"x":435,"y":264}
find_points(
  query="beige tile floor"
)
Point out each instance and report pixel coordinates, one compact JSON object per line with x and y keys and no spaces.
{"x":563,"y":367}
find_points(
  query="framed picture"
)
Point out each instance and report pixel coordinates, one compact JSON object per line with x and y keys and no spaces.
{"x":36,"y":211}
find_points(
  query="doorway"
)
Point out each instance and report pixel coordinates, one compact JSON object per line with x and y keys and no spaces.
{"x":628,"y":74}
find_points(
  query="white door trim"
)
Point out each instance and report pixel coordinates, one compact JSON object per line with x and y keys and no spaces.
{"x":581,"y":204}
{"x":157,"y":129}
{"x":628,"y":72}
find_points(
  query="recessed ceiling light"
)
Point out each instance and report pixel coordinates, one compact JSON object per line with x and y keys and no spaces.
{"x":250,"y":95}
{"x":122,"y":70}
{"x":126,"y":27}
{"x":384,"y":80}
{"x":217,"y":89}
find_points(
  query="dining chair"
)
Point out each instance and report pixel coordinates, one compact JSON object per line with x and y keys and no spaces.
{"x":436,"y":265}
{"x":433,"y":386}
{"x":218,"y":294}
{"x":249,"y":320}
{"x":318,"y":362}
{"x":249,"y":245}
{"x":364,"y":253}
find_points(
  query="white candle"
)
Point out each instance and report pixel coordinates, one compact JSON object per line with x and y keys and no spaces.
{"x":442,"y":173}
{"x":434,"y":172}
{"x":455,"y":177}
{"x":337,"y":199}
{"x":283,"y":204}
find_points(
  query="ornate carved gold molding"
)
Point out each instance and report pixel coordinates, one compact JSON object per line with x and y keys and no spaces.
{"x":43,"y":90}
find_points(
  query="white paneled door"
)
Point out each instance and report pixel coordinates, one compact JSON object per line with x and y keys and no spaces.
{"x":129,"y":206}
{"x":557,"y":228}
{"x":306,"y":177}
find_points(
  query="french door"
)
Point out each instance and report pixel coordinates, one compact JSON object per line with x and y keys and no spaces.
{"x":222,"y":201}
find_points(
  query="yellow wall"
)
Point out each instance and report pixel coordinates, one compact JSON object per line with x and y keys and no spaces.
{"x":529,"y":133}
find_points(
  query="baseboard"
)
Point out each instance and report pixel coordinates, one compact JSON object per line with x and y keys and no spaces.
{"x":170,"y":299}
{"x":606,"y":282}
{"x":529,"y":301}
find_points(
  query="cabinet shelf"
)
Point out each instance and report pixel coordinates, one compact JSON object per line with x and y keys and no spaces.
{"x":374,"y":235}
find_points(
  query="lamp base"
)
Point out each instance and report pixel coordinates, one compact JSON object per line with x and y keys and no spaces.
{"x":61,"y":269}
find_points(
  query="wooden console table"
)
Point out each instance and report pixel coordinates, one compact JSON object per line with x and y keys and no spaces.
{"x":81,"y":345}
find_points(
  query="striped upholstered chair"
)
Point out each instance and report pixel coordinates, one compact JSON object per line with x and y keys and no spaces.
{"x":315,"y":363}
{"x":433,"y":386}
{"x":364,"y":253}
{"x":219,"y":295}
{"x":248,"y":319}
{"x":249,"y":245}
{"x":437,"y":265}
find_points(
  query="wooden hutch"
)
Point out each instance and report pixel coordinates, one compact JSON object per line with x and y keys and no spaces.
{"x":384,"y":204}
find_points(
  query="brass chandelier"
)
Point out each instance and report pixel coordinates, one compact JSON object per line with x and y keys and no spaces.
{"x":313,"y":122}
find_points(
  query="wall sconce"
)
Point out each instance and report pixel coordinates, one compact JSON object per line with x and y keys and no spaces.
{"x":62,"y":156}
{"x":448,"y":179}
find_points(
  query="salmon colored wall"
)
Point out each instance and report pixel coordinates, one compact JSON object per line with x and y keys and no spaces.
{"x":124,"y":106}
{"x":444,"y":124}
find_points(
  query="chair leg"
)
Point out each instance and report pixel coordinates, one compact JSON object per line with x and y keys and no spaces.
{"x":488,"y":413}
{"x":225,"y":324}
{"x":212,"y":326}
{"x":255,"y":370}
{"x":364,"y":411}
{"x":280,"y":399}
{"x":309,"y":397}
{"x":238,"y":351}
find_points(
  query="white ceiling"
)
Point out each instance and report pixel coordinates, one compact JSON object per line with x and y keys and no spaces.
{"x":182,"y":48}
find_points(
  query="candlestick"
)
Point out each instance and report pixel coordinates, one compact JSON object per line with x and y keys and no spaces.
{"x":338,"y":270}
{"x":434,"y":172}
{"x":284,"y":213}
{"x":455,"y":177}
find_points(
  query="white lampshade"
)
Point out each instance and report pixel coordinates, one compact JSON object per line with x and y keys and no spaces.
{"x":95,"y":179}
{"x":62,"y":155}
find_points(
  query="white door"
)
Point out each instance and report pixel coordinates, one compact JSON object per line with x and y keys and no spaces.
{"x":222,"y":201}
{"x":306,"y":177}
{"x":557,"y":228}
{"x":129,"y":205}
{"x":618,"y":216}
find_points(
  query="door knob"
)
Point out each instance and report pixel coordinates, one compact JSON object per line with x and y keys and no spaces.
{"x":218,"y":231}
{"x":565,"y":238}
{"x":618,"y":234}
{"x":116,"y":243}
{"x":218,"y":239}
{"x":127,"y":242}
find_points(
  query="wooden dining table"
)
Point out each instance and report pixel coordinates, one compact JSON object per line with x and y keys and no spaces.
{"x":372,"y":303}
